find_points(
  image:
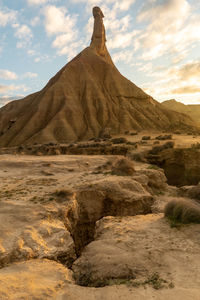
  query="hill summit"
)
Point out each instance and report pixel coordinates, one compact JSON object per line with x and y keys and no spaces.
{"x":86,"y":98}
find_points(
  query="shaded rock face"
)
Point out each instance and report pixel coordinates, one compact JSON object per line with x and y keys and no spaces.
{"x":181,"y":166}
{"x":85,"y":98}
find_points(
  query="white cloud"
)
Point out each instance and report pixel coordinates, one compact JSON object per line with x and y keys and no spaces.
{"x":30,"y":75}
{"x":120,"y":5}
{"x":121,"y":40}
{"x":123,"y":56}
{"x":37,"y":59}
{"x":24,"y":34}
{"x":167,"y":29}
{"x":6,"y":89}
{"x":35,"y":21}
{"x":63,"y":40}
{"x":7,"y":16}
{"x":58,"y":21}
{"x":176,"y":82}
{"x":31,"y":52}
{"x":37,"y":2}
{"x":7,"y":75}
{"x":62,"y":25}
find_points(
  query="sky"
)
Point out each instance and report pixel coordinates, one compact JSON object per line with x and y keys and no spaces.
{"x":154,"y":43}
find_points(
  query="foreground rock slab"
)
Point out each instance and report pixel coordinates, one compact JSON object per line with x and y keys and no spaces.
{"x":35,"y":279}
{"x":142,"y":251}
{"x":28,"y":231}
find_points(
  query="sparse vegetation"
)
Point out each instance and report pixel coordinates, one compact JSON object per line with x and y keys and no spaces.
{"x":146,"y":138}
{"x":164,"y":137}
{"x":157,"y":149}
{"x":119,"y":140}
{"x":153,"y":167}
{"x":182,"y":212}
{"x":195,"y":145}
{"x":123,"y":167}
{"x":63,"y":194}
{"x":86,"y":279}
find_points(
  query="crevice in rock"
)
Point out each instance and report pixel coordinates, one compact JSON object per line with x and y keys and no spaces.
{"x":180,"y":165}
{"x":80,"y":220}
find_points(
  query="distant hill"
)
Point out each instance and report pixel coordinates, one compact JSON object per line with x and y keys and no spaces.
{"x":193,"y":110}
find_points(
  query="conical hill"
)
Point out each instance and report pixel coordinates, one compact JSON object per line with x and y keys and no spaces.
{"x":85,"y":98}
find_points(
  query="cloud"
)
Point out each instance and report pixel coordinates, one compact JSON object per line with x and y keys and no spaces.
{"x":24,"y":34}
{"x":7,"y":16}
{"x":23,"y":31}
{"x":167,"y":29}
{"x":30,"y":75}
{"x":186,"y":90}
{"x":38,"y":2}
{"x":58,"y":21}
{"x":31,"y":52}
{"x":180,"y":82}
{"x":35,"y":21}
{"x":190,"y":70}
{"x":7,"y":75}
{"x":123,"y":56}
{"x":120,"y":5}
{"x":5,"y":89}
{"x":121,"y":40}
{"x":63,"y":40}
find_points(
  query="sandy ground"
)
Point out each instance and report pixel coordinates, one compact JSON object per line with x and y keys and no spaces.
{"x":27,"y":200}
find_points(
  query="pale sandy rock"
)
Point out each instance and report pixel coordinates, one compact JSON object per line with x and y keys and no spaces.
{"x":156,"y":178}
{"x":123,"y":292}
{"x":28,"y":231}
{"x":30,"y":280}
{"x":135,"y":248}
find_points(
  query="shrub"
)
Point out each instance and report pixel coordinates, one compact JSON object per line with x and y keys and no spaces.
{"x":164,"y":137}
{"x":195,"y":146}
{"x":183,"y":211}
{"x":146,"y":138}
{"x":157,"y":149}
{"x":123,"y":167}
{"x":63,"y":195}
{"x":119,"y":140}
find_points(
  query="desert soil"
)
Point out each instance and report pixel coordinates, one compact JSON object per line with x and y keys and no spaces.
{"x":131,"y":256}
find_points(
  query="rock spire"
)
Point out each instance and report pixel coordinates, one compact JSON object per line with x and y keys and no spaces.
{"x":99,"y":35}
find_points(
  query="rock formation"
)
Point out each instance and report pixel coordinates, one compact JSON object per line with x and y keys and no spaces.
{"x":85,"y":98}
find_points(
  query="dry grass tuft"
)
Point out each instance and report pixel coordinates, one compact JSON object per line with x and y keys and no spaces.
{"x":123,"y":167}
{"x":63,"y":195}
{"x":183,"y":211}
